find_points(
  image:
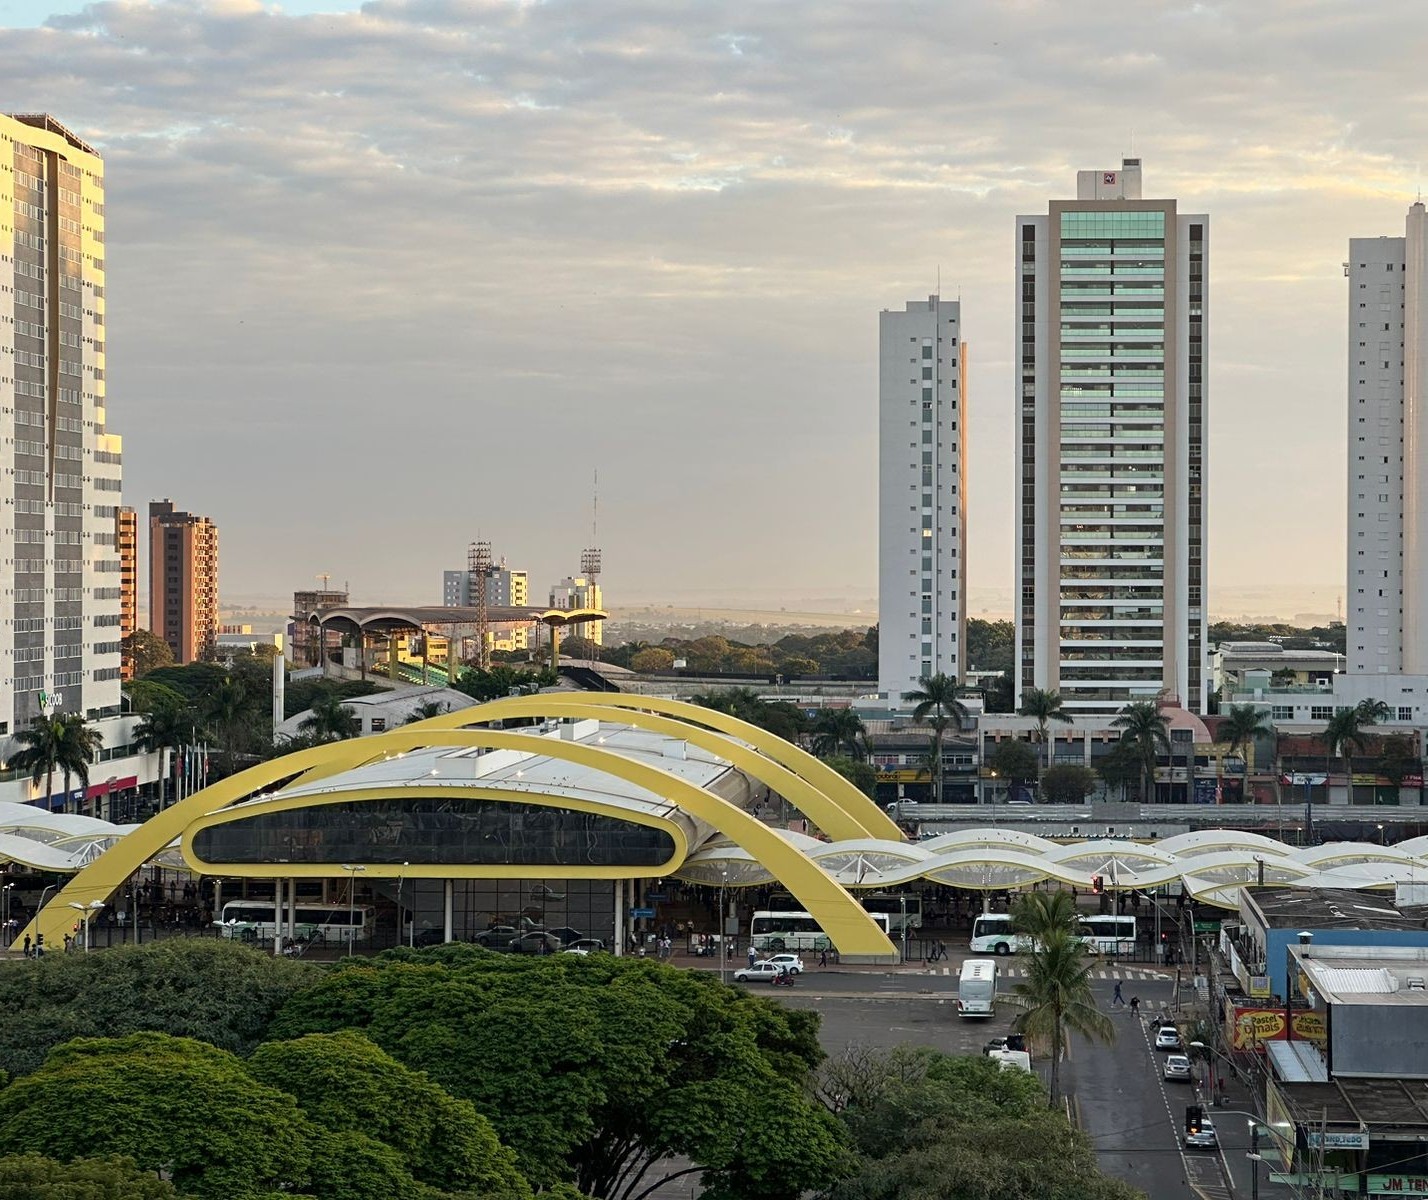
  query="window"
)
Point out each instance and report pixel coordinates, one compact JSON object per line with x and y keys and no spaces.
{"x":1282,"y":712}
{"x":1405,"y":713}
{"x":1321,"y":712}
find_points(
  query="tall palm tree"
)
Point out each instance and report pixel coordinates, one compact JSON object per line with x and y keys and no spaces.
{"x":1342,"y":736}
{"x":79,"y":746}
{"x":1043,"y":915}
{"x":1242,"y":724}
{"x":227,"y":713}
{"x":425,"y":711}
{"x":1056,"y":1000}
{"x":936,"y":703}
{"x":1371,"y":712}
{"x":330,"y":720}
{"x":162,"y":732}
{"x":837,"y":731}
{"x":61,"y":742}
{"x":1146,"y":731}
{"x":1044,"y":707}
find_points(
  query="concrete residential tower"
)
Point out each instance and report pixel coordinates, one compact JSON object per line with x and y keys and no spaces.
{"x":60,"y":611}
{"x":1110,"y":568}
{"x":1387,"y":576}
{"x":183,"y":581}
{"x":922,"y":516}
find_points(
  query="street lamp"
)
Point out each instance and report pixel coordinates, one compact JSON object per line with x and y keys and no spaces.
{"x":85,"y":912}
{"x":411,"y":925}
{"x":5,"y":902}
{"x":352,"y":903}
{"x":723,"y":925}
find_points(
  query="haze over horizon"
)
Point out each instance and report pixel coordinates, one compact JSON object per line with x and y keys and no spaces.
{"x":381,"y":280}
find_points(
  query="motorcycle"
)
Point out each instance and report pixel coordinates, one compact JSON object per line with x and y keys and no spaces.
{"x":783,"y":979}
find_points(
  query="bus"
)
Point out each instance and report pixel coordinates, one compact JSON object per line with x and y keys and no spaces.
{"x":775,"y":930}
{"x":254,"y":920}
{"x":977,"y":988}
{"x":992,"y":934}
{"x":893,"y":905}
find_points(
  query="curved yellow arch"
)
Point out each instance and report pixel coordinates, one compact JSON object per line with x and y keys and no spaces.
{"x":848,"y":926}
{"x":867,"y":819}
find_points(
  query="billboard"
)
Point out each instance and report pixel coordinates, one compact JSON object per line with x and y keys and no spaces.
{"x":1251,"y":1026}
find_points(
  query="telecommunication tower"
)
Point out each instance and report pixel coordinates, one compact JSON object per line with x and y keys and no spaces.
{"x":590,"y":557}
{"x":478,"y":571}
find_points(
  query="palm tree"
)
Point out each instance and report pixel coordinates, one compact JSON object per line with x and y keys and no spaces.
{"x":79,"y":746}
{"x":1145,"y":730}
{"x":62,"y":742}
{"x":1342,"y":736}
{"x":162,"y":732}
{"x":1042,"y":915}
{"x":1242,"y":724}
{"x":837,"y":731}
{"x":1044,"y":707}
{"x":424,"y":711}
{"x":227,"y":713}
{"x":1371,"y":712}
{"x":937,"y":703}
{"x":1056,"y":1000}
{"x":329,"y":720}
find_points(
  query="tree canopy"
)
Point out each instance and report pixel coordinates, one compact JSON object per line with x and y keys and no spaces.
{"x":35,"y":1177}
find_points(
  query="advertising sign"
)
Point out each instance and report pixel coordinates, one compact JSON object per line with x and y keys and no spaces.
{"x":1398,"y":1185}
{"x":1260,"y":987}
{"x":1338,"y":1140}
{"x":1253,"y":1026}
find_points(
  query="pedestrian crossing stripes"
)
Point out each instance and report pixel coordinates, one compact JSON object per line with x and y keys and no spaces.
{"x":1119,"y":974}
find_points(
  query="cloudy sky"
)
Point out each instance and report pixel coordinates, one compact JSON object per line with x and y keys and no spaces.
{"x":386,"y":277}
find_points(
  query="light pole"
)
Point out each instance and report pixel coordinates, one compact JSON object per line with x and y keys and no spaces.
{"x":902,"y":906}
{"x":352,"y":903}
{"x":411,"y":925}
{"x":5,"y":899}
{"x":723,"y":950}
{"x":85,"y":912}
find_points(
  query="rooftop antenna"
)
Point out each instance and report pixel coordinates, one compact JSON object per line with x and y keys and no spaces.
{"x":590,"y":556}
{"x":324,"y":576}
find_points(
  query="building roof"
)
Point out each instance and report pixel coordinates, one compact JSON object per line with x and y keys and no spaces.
{"x":1370,"y":975}
{"x":1332,"y":908}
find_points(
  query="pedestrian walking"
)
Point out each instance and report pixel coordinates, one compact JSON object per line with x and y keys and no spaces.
{"x":942,"y":950}
{"x":1134,"y":1005}
{"x":1116,"y":997}
{"x":823,"y":957}
{"x":753,"y":956}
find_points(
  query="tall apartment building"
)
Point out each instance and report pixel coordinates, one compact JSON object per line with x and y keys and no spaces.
{"x":505,"y":588}
{"x":1110,"y":568}
{"x":922,"y":511}
{"x":1387,"y":575}
{"x":59,"y":492}
{"x":183,"y":581}
{"x":126,"y":541}
{"x":580,"y":591}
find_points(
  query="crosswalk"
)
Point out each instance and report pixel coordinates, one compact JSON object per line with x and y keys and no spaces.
{"x":1125,"y":974}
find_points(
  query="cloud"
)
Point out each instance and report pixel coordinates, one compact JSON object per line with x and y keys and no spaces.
{"x":382,"y":279}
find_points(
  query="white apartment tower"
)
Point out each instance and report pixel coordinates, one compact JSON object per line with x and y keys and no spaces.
{"x":59,"y":490}
{"x":1110,"y":568}
{"x":1387,"y":577}
{"x":922,"y":513}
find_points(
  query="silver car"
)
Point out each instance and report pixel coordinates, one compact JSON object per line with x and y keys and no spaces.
{"x":1205,"y":1139}
{"x":1167,"y":1037}
{"x":1177,"y":1069}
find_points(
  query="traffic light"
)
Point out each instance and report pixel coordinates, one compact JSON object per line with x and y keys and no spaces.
{"x":1098,"y":884}
{"x":1194,"y":1118}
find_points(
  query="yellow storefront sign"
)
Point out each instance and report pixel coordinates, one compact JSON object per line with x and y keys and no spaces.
{"x":1251,"y":1026}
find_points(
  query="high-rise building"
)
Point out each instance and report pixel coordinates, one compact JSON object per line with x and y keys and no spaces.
{"x":183,"y":581}
{"x":1387,"y":576}
{"x":1110,"y":566}
{"x":60,"y":614}
{"x":580,"y":591}
{"x":126,"y":541}
{"x":505,"y":588}
{"x":922,"y":511}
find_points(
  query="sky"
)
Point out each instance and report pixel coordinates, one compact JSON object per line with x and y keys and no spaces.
{"x":383,"y":279}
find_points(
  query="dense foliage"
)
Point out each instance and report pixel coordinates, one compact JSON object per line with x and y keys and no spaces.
{"x":852,"y":653}
{"x":35,"y":1177}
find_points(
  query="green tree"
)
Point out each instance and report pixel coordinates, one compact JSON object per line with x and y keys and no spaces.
{"x":1119,"y":767}
{"x":1056,"y":1000}
{"x":1044,"y":707}
{"x":164,"y":729}
{"x":837,"y":731}
{"x":426,"y":710}
{"x":146,"y":651}
{"x":62,"y":742}
{"x":35,"y":1177}
{"x":1241,"y":725}
{"x":215,"y":990}
{"x":501,"y":681}
{"x":1398,"y":759}
{"x":1014,"y":761}
{"x":1342,"y":736}
{"x":227,"y":712}
{"x":857,"y":771}
{"x":991,"y":645}
{"x":1069,"y":783}
{"x":347,"y":1084}
{"x":171,"y":1104}
{"x":1044,"y":915}
{"x":599,"y":1072}
{"x":1145,"y":731}
{"x":935,"y":701}
{"x":330,"y":720}
{"x":651,"y":658}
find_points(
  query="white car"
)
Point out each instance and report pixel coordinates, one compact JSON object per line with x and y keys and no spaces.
{"x":1167,"y":1037}
{"x":790,"y":962}
{"x":1177,"y":1069}
{"x":1205,"y":1139}
{"x":763,"y":971}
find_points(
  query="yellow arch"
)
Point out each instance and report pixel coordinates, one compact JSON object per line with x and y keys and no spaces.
{"x":863,"y":817}
{"x":848,"y":926}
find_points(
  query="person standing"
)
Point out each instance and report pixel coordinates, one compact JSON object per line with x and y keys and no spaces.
{"x":753,"y":956}
{"x":1116,"y":997}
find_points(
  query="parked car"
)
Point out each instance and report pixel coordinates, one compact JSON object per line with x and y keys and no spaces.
{"x":1205,"y":1139}
{"x":585,"y":946}
{"x":763,"y":971}
{"x":497,"y":937}
{"x":1167,"y":1037}
{"x":1012,"y":1041}
{"x":1177,"y":1069}
{"x":790,"y":962}
{"x":566,"y":935}
{"x":429,"y":937}
{"x":535,"y":942}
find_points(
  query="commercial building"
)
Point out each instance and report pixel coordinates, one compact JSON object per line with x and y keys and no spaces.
{"x":1110,"y":566}
{"x":126,"y":541}
{"x":303,"y":641}
{"x":1241,"y":668}
{"x":1387,"y":569}
{"x":922,"y":514}
{"x":183,"y":581}
{"x":61,"y":618}
{"x":580,"y":591}
{"x":505,"y":588}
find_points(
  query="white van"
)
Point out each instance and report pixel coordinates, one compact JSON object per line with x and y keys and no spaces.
{"x":977,"y":988}
{"x":1011,"y":1060}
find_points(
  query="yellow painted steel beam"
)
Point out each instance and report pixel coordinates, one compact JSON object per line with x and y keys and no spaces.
{"x":868,"y":820}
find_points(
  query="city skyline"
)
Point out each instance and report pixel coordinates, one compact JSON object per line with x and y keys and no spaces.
{"x":710,"y":267}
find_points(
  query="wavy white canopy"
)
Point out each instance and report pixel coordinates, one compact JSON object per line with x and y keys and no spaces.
{"x":62,"y":842}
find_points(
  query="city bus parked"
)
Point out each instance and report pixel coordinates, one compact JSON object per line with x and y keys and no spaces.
{"x":1109,"y":934}
{"x":773,"y":930}
{"x":255,"y":920}
{"x":992,"y":934}
{"x":977,"y":988}
{"x":893,"y":905}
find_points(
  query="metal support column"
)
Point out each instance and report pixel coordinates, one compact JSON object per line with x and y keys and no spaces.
{"x":446,"y":898}
{"x":619,"y":946}
{"x":277,"y":918}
